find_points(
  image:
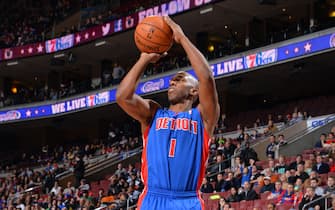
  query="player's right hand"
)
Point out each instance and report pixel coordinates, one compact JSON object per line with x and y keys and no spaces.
{"x":152,"y":57}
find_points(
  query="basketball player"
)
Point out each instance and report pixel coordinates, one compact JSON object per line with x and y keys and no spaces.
{"x":175,"y":139}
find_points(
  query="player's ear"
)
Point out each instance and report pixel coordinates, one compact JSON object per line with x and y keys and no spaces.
{"x":194,"y":92}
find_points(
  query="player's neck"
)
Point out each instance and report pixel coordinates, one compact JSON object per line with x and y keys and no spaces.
{"x":181,"y":107}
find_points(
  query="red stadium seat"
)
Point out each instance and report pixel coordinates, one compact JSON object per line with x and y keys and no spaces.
{"x":235,"y":205}
{"x":224,"y":194}
{"x":246,"y":204}
{"x":265,"y":195}
{"x":284,"y":207}
{"x":261,"y":204}
{"x":324,"y":178}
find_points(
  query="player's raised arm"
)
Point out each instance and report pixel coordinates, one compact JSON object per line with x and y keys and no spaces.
{"x":208,"y":98}
{"x":137,"y":107}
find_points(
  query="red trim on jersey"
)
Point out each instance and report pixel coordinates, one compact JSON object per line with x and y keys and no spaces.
{"x":204,"y":159}
{"x":144,"y":167}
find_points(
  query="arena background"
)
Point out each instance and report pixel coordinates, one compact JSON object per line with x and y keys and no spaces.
{"x":66,"y":47}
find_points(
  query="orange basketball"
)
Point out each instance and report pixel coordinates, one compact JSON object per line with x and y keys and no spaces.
{"x":153,"y":35}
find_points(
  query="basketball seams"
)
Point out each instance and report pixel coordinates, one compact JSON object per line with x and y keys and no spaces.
{"x":153,"y":36}
{"x":148,"y":40}
{"x":155,"y":26}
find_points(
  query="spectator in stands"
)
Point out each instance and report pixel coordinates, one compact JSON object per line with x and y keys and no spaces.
{"x":254,"y":175}
{"x":246,"y":193}
{"x":321,"y":142}
{"x":120,"y":171}
{"x":84,"y":186}
{"x":300,"y":173}
{"x":271,"y":165}
{"x":330,"y":188}
{"x":268,"y":172}
{"x":226,"y":206}
{"x":219,"y":182}
{"x":272,"y":147}
{"x":222,"y":203}
{"x":223,"y":122}
{"x":311,"y":196}
{"x":331,"y":161}
{"x":308,"y":166}
{"x":56,"y":189}
{"x":238,"y":165}
{"x":79,"y":170}
{"x":229,"y":149}
{"x":268,"y":186}
{"x":298,"y":185}
{"x":254,"y":135}
{"x":245,"y":175}
{"x":213,"y":144}
{"x":295,"y":163}
{"x":329,"y":141}
{"x":320,"y":166}
{"x":69,"y":190}
{"x":233,"y":197}
{"x":271,"y":129}
{"x":277,"y":191}
{"x":114,"y":187}
{"x":117,"y":74}
{"x":271,"y":206}
{"x":220,"y":164}
{"x":287,"y":196}
{"x":248,"y":153}
{"x":281,"y":139}
{"x":315,"y":184}
{"x":291,"y":176}
{"x":281,"y":166}
{"x":284,"y":181}
{"x":230,"y":182}
{"x":206,"y":187}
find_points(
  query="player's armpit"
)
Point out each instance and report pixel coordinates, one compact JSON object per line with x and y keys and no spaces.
{"x":141,"y":109}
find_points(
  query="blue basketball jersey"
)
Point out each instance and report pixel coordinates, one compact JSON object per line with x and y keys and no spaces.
{"x":174,"y":158}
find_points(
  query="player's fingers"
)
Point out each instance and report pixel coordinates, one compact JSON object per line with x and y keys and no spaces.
{"x":169,"y":21}
{"x":163,"y":54}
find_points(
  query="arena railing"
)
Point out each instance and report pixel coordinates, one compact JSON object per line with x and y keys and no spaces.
{"x":328,"y":197}
{"x":102,"y":162}
{"x":306,"y":138}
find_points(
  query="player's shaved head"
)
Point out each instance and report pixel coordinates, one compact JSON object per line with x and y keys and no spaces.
{"x":194,"y":82}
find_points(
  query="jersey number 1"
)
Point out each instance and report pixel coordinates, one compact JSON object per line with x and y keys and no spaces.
{"x":172,"y":147}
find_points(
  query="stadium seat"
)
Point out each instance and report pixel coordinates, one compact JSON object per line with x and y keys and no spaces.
{"x":235,"y":205}
{"x":246,"y":204}
{"x":324,"y":178}
{"x":265,"y":195}
{"x":284,"y":207}
{"x":224,"y":194}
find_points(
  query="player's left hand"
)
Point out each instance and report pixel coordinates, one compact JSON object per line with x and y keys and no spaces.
{"x":178,"y":33}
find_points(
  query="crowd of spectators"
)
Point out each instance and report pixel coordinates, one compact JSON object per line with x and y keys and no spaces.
{"x":30,"y":25}
{"x":286,"y":180}
{"x":31,"y":181}
{"x":289,"y":181}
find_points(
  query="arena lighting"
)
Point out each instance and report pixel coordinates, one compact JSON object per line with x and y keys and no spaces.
{"x":97,"y":44}
{"x":12,"y":63}
{"x":211,"y":48}
{"x":14,"y":90}
{"x":207,"y":10}
{"x":332,"y":13}
{"x":59,"y":55}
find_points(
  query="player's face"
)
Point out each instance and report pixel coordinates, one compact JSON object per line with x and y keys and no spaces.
{"x":182,"y":87}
